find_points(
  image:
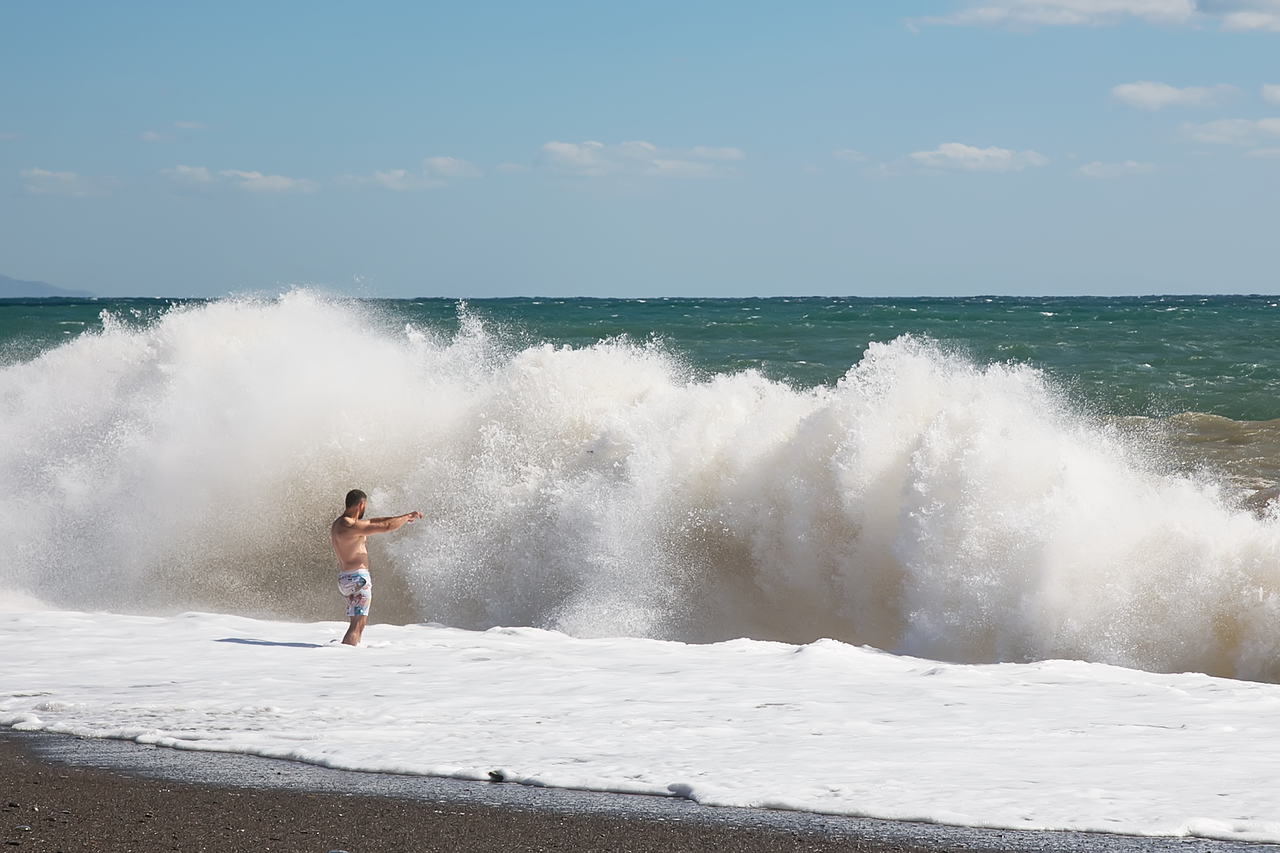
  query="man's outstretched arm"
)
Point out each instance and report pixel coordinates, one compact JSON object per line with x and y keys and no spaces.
{"x":385,"y":524}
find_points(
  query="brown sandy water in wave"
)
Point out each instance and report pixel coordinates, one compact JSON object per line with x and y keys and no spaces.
{"x":1243,"y":455}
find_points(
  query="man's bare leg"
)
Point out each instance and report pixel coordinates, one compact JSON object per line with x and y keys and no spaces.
{"x":352,"y":637}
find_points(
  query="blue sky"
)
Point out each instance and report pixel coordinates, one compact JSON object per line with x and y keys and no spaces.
{"x":710,"y":149}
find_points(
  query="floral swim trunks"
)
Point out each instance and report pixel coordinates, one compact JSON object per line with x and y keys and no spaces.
{"x":357,"y":586}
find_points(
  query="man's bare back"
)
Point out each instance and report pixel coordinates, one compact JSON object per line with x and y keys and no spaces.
{"x":347,"y":535}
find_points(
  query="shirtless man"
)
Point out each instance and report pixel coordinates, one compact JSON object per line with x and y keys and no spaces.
{"x":347,"y":535}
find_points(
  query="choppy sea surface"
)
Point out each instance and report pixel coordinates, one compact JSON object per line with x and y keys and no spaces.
{"x":1044,"y":508}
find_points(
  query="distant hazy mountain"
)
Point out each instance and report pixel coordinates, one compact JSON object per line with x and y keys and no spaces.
{"x":11,"y":288}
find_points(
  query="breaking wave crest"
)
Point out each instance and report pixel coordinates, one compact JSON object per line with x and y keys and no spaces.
{"x":925,"y":504}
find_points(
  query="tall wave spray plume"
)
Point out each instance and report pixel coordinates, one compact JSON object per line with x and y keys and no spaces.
{"x":924,"y":505}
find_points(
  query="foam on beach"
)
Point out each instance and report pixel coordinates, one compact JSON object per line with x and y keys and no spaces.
{"x":824,"y":727}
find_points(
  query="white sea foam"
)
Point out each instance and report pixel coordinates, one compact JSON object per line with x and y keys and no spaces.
{"x":925,"y":505}
{"x":825,"y":727}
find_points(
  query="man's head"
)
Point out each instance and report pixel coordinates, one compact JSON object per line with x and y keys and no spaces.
{"x":355,"y":498}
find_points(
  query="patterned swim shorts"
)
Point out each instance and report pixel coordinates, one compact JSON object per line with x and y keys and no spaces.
{"x":357,"y":586}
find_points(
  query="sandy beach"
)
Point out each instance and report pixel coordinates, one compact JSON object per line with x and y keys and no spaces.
{"x":68,"y":794}
{"x":49,"y":806}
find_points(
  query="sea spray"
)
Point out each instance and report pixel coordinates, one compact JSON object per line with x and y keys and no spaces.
{"x":925,"y":503}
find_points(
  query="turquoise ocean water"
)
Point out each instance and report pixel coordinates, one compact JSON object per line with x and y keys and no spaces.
{"x":1147,"y":356}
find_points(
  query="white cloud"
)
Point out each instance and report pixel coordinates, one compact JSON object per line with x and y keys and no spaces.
{"x":449,"y":167}
{"x":850,"y":155}
{"x":1234,"y":131}
{"x":1271,"y":93}
{"x":705,"y":153}
{"x":954,"y":155}
{"x":397,"y":179}
{"x":1232,"y":15}
{"x":254,"y":182}
{"x":1098,"y":169}
{"x":6,"y":137}
{"x":1146,"y":95}
{"x":1246,"y":21}
{"x":152,"y":136}
{"x":37,"y":181}
{"x":1244,"y":15}
{"x":190,"y":125}
{"x":192,"y":175}
{"x":436,"y":172}
{"x":635,"y":159}
{"x":1024,"y":14}
{"x":1264,"y":152}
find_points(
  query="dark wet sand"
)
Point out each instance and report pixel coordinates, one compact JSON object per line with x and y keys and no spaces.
{"x":65,"y":794}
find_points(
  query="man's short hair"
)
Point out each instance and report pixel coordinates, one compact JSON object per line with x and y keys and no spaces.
{"x":354,"y":497}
